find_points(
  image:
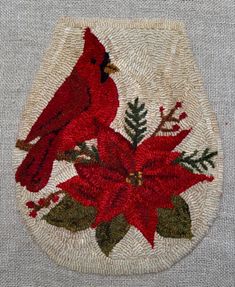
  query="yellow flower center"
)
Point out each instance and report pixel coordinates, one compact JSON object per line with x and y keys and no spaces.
{"x":135,"y":178}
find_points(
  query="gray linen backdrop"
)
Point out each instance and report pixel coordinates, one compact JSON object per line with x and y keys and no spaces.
{"x":25,"y":31}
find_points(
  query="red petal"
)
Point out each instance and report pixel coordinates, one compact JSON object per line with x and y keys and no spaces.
{"x":150,"y":193}
{"x":98,"y":176}
{"x":175,"y":179}
{"x":151,"y":159}
{"x":112,"y":202}
{"x":161,"y":143}
{"x":91,"y":182}
{"x":80,"y":190}
{"x":144,"y":218}
{"x":115,"y":150}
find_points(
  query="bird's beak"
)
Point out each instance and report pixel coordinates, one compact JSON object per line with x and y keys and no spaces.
{"x":110,"y":68}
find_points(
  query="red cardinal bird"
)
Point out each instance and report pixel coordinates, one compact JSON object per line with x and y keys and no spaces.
{"x":88,"y":96}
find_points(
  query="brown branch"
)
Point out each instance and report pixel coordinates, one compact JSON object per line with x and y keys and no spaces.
{"x":48,"y":199}
{"x":164,"y":119}
{"x":22,"y":145}
{"x":169,"y":118}
{"x":165,"y":130}
{"x":43,"y":202}
{"x":174,"y":120}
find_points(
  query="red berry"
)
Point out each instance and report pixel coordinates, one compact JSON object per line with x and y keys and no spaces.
{"x":33,"y":213}
{"x":176,"y":128}
{"x":183,"y":116}
{"x":161,"y":109}
{"x":30,"y":204}
{"x":42,"y":202}
{"x":178,"y":105}
{"x":55,"y":198}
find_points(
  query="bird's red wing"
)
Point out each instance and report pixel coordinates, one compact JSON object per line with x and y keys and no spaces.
{"x":71,"y":99}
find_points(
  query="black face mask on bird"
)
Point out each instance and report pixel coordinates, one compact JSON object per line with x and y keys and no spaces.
{"x":107,"y":68}
{"x":94,"y":64}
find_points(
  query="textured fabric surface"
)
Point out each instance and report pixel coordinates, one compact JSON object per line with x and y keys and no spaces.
{"x":26,"y":28}
{"x":159,"y":53}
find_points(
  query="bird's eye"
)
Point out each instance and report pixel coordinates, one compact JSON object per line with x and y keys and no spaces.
{"x":93,"y":60}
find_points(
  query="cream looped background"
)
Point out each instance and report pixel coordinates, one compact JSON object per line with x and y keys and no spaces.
{"x":25,"y":32}
{"x":156,"y":65}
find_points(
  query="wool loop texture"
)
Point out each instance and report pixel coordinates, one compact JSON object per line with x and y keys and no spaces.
{"x":118,"y":161}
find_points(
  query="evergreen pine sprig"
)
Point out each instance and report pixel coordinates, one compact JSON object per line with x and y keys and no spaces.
{"x":199,"y":164}
{"x":90,"y":152}
{"x":77,"y":156}
{"x":135,"y":122}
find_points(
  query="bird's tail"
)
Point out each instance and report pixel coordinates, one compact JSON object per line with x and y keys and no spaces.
{"x":35,"y":170}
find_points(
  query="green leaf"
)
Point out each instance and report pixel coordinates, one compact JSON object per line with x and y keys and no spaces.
{"x":199,"y":164}
{"x":95,"y":152}
{"x":90,"y":151}
{"x":176,"y":222}
{"x":71,"y":215}
{"x":130,"y":124}
{"x":108,"y":234}
{"x":135,"y":121}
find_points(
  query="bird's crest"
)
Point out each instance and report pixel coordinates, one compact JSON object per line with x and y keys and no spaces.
{"x":92,"y":43}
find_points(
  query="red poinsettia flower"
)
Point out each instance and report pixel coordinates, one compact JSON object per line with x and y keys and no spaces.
{"x":132,"y":182}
